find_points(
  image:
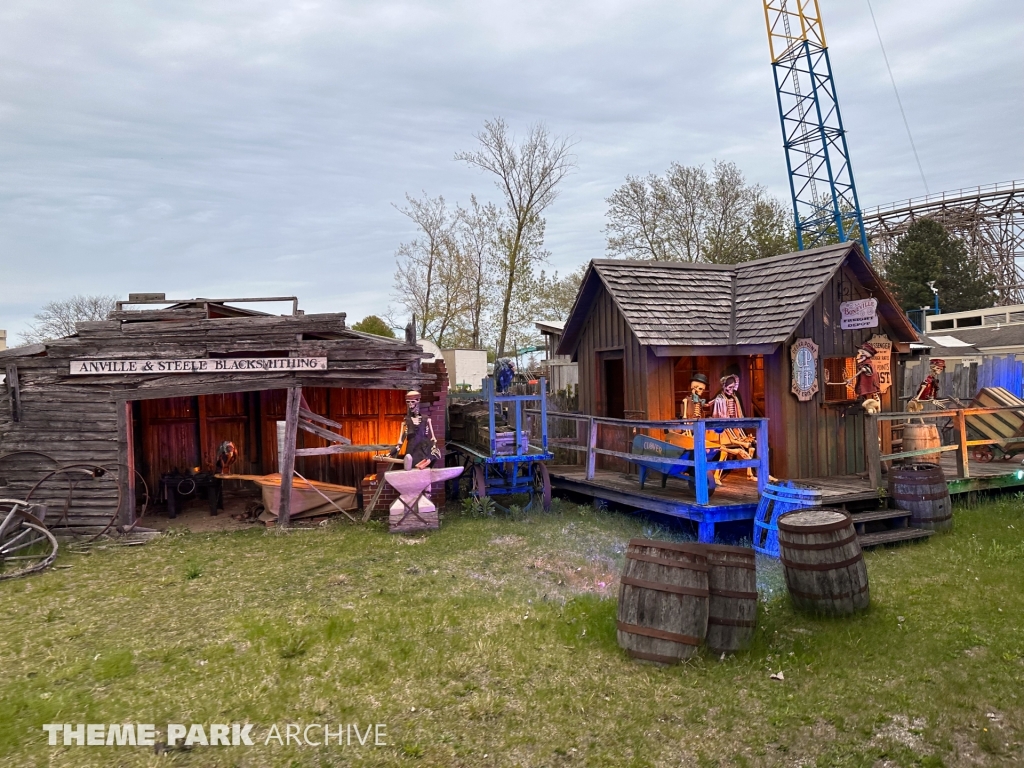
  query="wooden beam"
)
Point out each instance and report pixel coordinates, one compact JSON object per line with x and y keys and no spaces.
{"x":591,"y":445}
{"x":330,"y":450}
{"x":287,"y":459}
{"x":324,"y":433}
{"x":204,"y":434}
{"x":963,"y":467}
{"x":14,"y":387}
{"x":872,"y":451}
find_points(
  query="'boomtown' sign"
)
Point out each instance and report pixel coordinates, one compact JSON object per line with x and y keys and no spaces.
{"x":218,"y":365}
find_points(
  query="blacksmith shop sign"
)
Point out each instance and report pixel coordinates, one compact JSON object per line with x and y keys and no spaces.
{"x":218,"y":365}
{"x":862,"y":313}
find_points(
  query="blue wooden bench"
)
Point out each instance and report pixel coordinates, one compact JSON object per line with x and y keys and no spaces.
{"x":648,"y":446}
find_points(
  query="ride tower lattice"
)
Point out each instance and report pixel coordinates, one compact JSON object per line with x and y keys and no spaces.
{"x":825,"y":204}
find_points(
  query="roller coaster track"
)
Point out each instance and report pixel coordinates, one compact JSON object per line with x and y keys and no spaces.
{"x":989,"y":219}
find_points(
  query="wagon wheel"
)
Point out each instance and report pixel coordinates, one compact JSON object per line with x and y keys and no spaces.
{"x":1007,"y":456}
{"x":25,"y":544}
{"x":983,"y":453}
{"x":479,"y":481}
{"x":542,"y":484}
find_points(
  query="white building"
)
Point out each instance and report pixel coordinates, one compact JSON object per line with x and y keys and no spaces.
{"x":467,"y":368}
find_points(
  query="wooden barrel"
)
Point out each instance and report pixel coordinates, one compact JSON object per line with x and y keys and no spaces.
{"x":780,"y":497}
{"x":917,"y":437}
{"x":823,"y":564}
{"x":663,"y":601}
{"x":921,"y":490}
{"x":732,"y":605}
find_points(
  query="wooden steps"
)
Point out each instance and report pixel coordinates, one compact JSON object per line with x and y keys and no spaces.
{"x":897,"y":530}
{"x":879,"y":514}
{"x":894,"y":536}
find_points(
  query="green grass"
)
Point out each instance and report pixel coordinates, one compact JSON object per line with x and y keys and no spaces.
{"x":495,"y":636}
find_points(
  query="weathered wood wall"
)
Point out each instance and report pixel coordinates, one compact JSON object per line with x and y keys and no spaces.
{"x":183,"y":417}
{"x":812,"y":439}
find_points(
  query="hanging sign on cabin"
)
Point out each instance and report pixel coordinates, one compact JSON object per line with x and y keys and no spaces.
{"x":804,"y":356}
{"x":882,"y":361}
{"x":216,"y":365}
{"x":862,"y":313}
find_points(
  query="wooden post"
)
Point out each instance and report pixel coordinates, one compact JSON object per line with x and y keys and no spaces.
{"x":591,"y":445}
{"x":204,"y":437}
{"x":872,"y":456}
{"x":14,"y":387}
{"x":126,"y":463}
{"x":287,"y":459}
{"x":963,"y":466}
{"x":763,"y":469}
{"x":700,"y":463}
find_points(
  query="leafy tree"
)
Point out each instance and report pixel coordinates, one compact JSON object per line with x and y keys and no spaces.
{"x":375,"y":325}
{"x":57,"y":318}
{"x":927,"y":252}
{"x":693,"y":214}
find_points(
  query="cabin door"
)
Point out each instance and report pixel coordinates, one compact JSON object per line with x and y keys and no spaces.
{"x":614,"y":389}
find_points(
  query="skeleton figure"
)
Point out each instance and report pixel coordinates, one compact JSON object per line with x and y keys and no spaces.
{"x":694,"y":406}
{"x":417,"y":435}
{"x":928,"y":392}
{"x":227,"y":454}
{"x":736,"y":443}
{"x":865,"y":380}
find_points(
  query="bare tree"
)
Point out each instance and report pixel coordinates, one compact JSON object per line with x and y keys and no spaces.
{"x":527,"y":175}
{"x":57,"y":318}
{"x":691,"y":214}
{"x":477,"y":241}
{"x":430,"y":281}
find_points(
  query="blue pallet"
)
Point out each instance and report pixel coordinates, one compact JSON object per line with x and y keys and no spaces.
{"x":780,"y":497}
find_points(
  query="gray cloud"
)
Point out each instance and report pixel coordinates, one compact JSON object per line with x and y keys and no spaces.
{"x":257,"y":147}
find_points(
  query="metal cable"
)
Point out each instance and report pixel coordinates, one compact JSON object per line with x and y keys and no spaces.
{"x":899,"y":101}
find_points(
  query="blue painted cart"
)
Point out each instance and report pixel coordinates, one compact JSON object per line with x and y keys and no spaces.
{"x":511,"y":467}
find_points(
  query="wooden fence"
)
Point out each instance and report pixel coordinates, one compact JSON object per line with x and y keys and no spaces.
{"x":964,"y":381}
{"x":954,"y":427}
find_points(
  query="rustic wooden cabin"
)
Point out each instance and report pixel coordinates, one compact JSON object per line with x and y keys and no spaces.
{"x":153,"y":391}
{"x":640,"y":329}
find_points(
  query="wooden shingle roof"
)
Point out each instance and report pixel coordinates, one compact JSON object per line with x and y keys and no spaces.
{"x":756,"y":303}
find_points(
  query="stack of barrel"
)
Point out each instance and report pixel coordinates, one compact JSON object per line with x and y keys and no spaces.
{"x":823,"y":562}
{"x":675,"y":597}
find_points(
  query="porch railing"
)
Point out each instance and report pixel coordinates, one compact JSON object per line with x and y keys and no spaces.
{"x":700,"y":463}
{"x":954,"y":422}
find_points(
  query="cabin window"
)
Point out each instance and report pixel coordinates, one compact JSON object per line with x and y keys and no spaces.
{"x":838,"y":370}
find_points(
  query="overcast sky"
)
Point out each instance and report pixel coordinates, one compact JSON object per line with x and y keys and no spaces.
{"x":256,"y":147}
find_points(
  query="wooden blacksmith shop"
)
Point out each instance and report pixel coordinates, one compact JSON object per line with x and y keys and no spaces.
{"x":197,"y":388}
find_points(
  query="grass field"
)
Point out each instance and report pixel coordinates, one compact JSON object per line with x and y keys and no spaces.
{"x":491,"y":643}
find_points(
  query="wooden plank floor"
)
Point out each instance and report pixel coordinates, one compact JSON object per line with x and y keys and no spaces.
{"x":677,"y":498}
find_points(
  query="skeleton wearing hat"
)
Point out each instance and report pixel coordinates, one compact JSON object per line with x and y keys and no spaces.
{"x":865,"y":381}
{"x":694,"y":406}
{"x":417,"y":435}
{"x":928,"y":392}
{"x":736,"y":443}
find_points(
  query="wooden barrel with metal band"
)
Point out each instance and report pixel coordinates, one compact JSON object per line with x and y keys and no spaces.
{"x":917,"y":437}
{"x":732,"y":601}
{"x":823,"y":562}
{"x":921,"y":490}
{"x":663,"y":601}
